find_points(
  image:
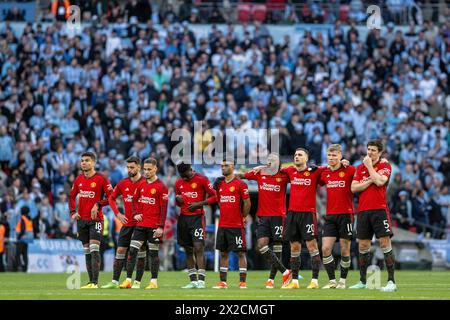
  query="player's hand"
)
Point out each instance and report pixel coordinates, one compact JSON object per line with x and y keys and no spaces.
{"x":244,"y":220}
{"x":217,"y":182}
{"x":345,"y":163}
{"x":122,"y":218}
{"x":158,"y":233}
{"x":194,"y":206}
{"x":179,"y":198}
{"x":257,"y":169}
{"x":384,"y":160}
{"x":94,"y":211}
{"x":138,"y":217}
{"x":75,"y":216}
{"x":367,"y":161}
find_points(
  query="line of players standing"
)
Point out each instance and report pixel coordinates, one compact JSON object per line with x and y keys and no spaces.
{"x":145,"y":205}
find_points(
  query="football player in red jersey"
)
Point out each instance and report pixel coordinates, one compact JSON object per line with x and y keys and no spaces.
{"x":301,"y":222}
{"x":90,"y":186}
{"x":339,"y":215}
{"x":371,"y":180}
{"x":150,"y":211}
{"x":126,"y":189}
{"x":271,"y":215}
{"x":192,"y":187}
{"x":234,"y":205}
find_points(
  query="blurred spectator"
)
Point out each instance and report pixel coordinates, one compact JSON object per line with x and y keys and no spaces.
{"x":24,"y":234}
{"x":14,"y":14}
{"x":402,"y":212}
{"x":63,"y":231}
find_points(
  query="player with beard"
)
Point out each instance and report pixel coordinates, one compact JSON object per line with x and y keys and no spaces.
{"x":126,"y":188}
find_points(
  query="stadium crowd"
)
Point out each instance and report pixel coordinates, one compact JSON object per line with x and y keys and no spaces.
{"x":121,"y":88}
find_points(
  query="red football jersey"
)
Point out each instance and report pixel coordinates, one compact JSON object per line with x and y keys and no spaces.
{"x":339,"y":193}
{"x":271,"y":193}
{"x":303,"y":188}
{"x":150,"y":200}
{"x":90,"y":191}
{"x":230,"y":195}
{"x":373,"y":197}
{"x":126,"y":189}
{"x":194,"y":190}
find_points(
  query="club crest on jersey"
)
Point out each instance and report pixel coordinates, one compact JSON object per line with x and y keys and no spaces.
{"x":232,"y":189}
{"x":341,"y":174}
{"x":307,"y":174}
{"x":93,"y":184}
{"x":153,"y":191}
{"x":194,"y":185}
{"x":279,"y":179}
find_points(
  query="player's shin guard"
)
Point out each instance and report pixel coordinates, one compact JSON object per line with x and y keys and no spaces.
{"x":295,"y":264}
{"x":131,"y":261}
{"x":277,"y":249}
{"x":140,"y":265}
{"x":192,"y":274}
{"x":345,"y":265}
{"x":88,"y":257}
{"x":223,"y":274}
{"x":154,"y":263}
{"x":273,"y":260}
{"x":242,"y":274}
{"x":118,"y":266}
{"x":328,"y":263}
{"x":364,"y":261}
{"x":95,"y":253}
{"x":201,"y":274}
{"x":389,"y":259}
{"x":315,"y":263}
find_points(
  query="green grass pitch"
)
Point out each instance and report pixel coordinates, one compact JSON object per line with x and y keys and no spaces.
{"x":411,"y":284}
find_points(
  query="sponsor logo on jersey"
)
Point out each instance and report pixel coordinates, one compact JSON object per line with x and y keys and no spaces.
{"x":147,"y":200}
{"x":87,"y":194}
{"x":153,"y":191}
{"x":270,"y":187}
{"x":225,"y":199}
{"x":93,"y":184}
{"x":109,"y":187}
{"x":129,"y":198}
{"x":301,"y":181}
{"x":232,"y":189}
{"x":384,"y":171}
{"x":127,"y":189}
{"x":341,"y":174}
{"x":194,"y":185}
{"x":336,"y":184}
{"x":191,"y":194}
{"x":165,"y":196}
